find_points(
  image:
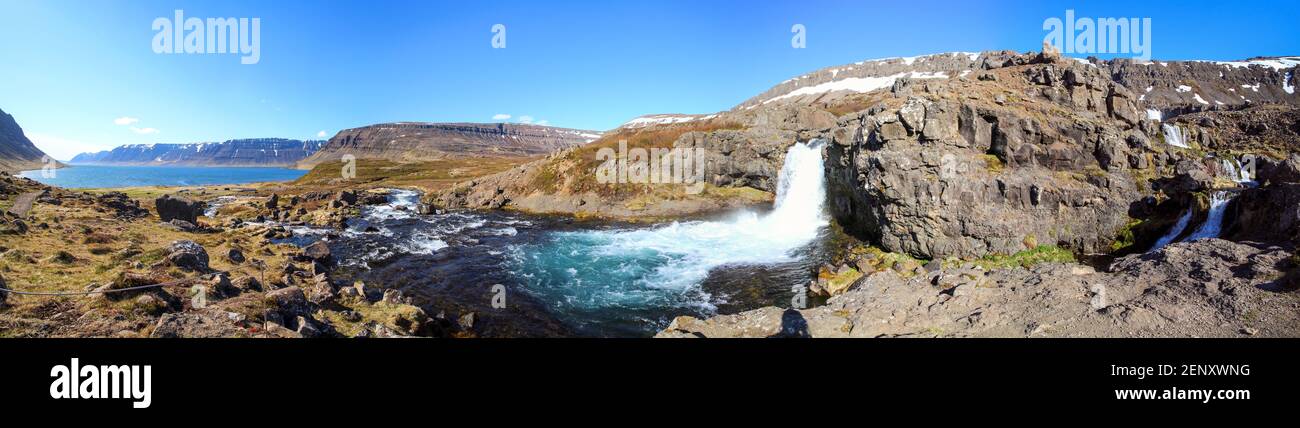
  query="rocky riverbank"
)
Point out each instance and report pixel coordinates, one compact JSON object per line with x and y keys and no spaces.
{"x":1206,"y":288}
{"x":108,"y":266}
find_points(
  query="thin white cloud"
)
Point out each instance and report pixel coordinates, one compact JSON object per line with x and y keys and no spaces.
{"x":542,"y":122}
{"x":321,"y":134}
{"x":525,"y":119}
{"x":125,"y":120}
{"x":144,"y":131}
{"x":500,"y":116}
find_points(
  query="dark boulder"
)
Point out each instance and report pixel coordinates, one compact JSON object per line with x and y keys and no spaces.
{"x":235,"y":256}
{"x":187,"y":255}
{"x":289,"y":301}
{"x":318,"y":252}
{"x":170,"y":208}
{"x":121,"y":205}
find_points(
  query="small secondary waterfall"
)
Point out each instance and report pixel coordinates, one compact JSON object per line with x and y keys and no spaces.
{"x":1173,"y":233}
{"x":1174,"y":136}
{"x":1233,"y":170}
{"x":1214,"y":221}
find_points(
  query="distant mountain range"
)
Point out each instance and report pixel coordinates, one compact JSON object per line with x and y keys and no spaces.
{"x":261,"y":152}
{"x":419,"y":141}
{"x":17,"y":153}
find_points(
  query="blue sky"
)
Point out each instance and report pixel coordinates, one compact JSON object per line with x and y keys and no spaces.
{"x":71,"y":68}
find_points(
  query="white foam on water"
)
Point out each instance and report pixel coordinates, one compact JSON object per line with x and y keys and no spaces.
{"x":692,"y":249}
{"x":401,"y":204}
{"x":1214,"y":221}
{"x":1235,"y":172}
{"x":1173,"y":233}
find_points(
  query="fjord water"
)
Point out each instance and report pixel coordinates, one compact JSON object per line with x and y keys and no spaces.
{"x":104,"y":176}
{"x":592,"y":278}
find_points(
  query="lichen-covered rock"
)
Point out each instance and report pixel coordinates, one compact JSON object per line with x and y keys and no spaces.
{"x":290,"y":301}
{"x":188,"y":255}
{"x":205,"y":323}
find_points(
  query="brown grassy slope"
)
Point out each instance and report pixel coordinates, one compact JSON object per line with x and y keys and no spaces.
{"x":429,"y":175}
{"x":574,"y":171}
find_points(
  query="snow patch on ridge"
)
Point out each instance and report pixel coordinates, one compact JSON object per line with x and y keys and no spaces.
{"x":856,"y":84}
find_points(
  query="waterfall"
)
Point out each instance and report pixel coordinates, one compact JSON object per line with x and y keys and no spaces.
{"x":644,"y":267}
{"x":1234,"y":171}
{"x":1214,"y":221}
{"x":1156,"y":115}
{"x":1174,"y":136}
{"x":1173,"y":233}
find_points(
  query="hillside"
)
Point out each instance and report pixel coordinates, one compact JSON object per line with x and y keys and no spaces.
{"x":418,"y":142}
{"x":17,"y":153}
{"x":746,"y":143}
{"x":243,"y":152}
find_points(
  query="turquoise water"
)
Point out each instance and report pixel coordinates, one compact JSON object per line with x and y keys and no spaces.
{"x":96,"y":176}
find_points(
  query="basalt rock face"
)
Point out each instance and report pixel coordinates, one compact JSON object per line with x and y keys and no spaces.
{"x":753,"y":157}
{"x":1271,"y":129}
{"x":1269,"y":212}
{"x":1036,"y":152}
{"x":432,"y":141}
{"x":17,"y":153}
{"x":246,"y":152}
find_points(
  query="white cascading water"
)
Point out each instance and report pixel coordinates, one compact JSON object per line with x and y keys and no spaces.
{"x":1235,"y":172}
{"x":748,"y":239}
{"x":1173,"y":233}
{"x":1214,"y":221}
{"x":635,"y":267}
{"x":1174,"y":136}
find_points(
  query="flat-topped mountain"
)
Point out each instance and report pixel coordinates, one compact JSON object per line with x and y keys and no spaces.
{"x":244,"y":152}
{"x":17,"y":153}
{"x":419,"y":141}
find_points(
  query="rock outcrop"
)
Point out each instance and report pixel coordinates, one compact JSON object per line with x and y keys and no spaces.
{"x":957,"y":169}
{"x":187,"y":255}
{"x":175,"y":208}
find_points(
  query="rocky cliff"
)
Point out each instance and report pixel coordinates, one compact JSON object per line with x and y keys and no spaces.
{"x":411,"y":141}
{"x":1031,"y":150}
{"x":959,"y":154}
{"x":17,"y":153}
{"x":244,"y":152}
{"x":1022,"y":154}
